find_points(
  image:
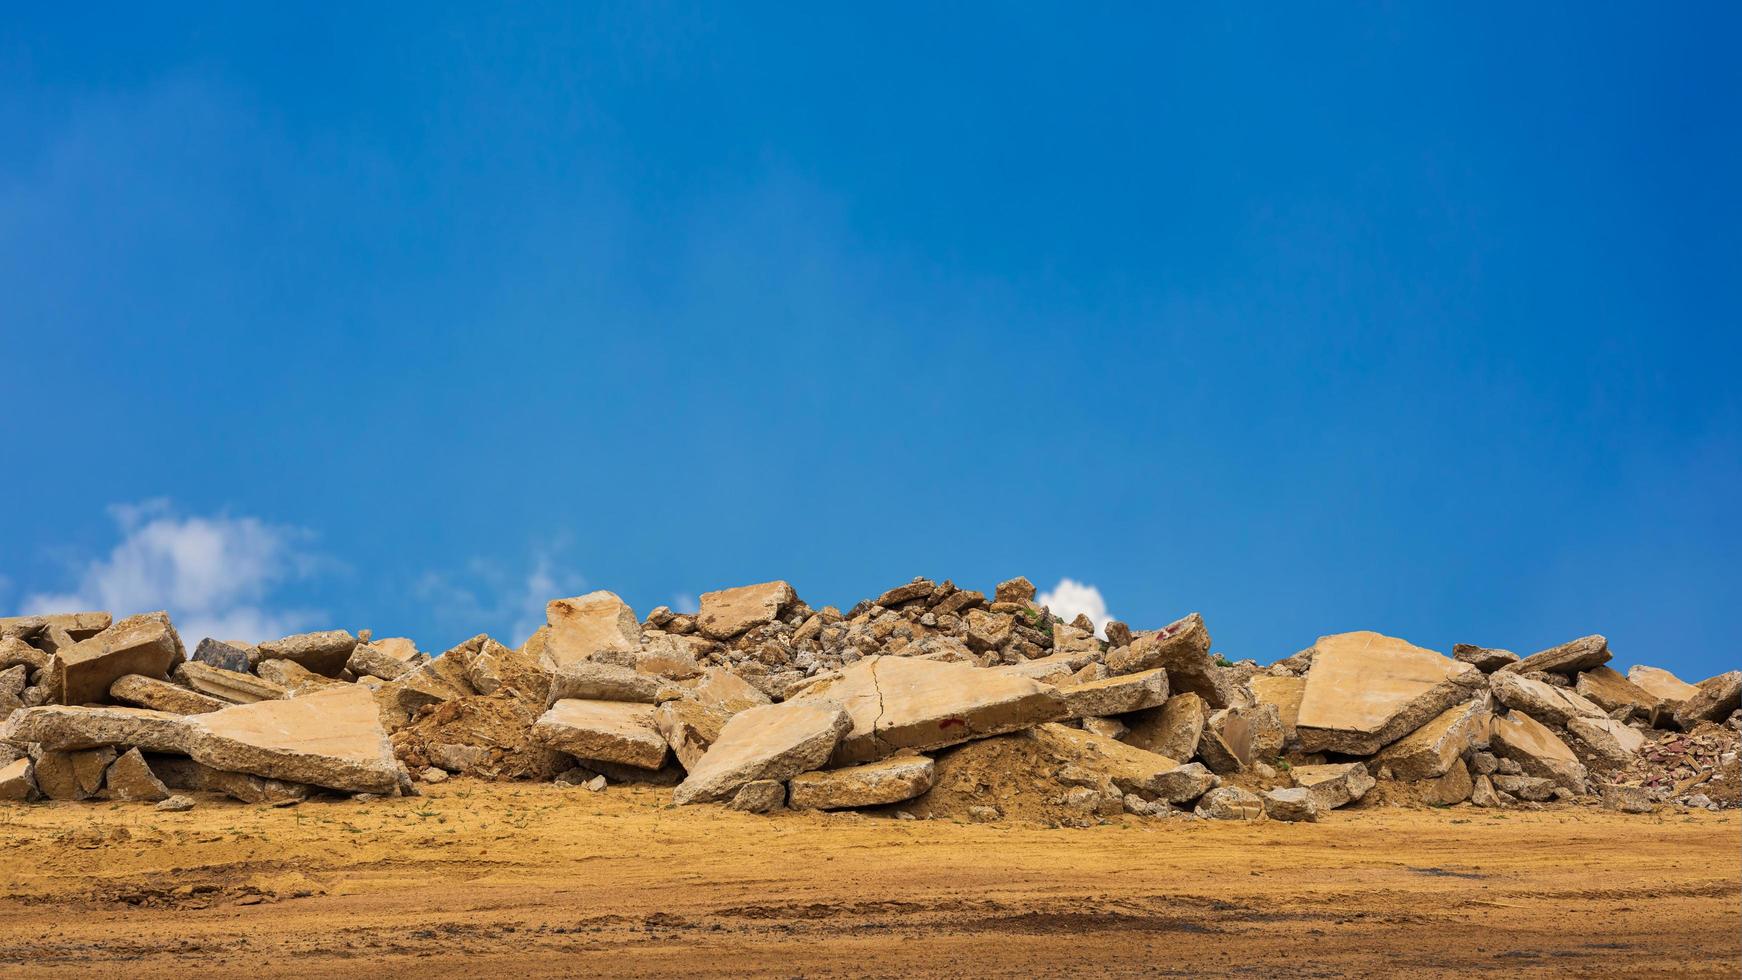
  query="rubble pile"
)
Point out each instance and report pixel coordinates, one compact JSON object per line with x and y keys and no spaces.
{"x":927,"y":702}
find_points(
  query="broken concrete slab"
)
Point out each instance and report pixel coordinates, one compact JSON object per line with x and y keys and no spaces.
{"x":1117,"y":695}
{"x":1531,"y":789}
{"x":231,"y":655}
{"x":585,"y":626}
{"x":1366,"y":690}
{"x":1131,"y":769}
{"x":689,"y":727}
{"x":1173,"y":730}
{"x":1429,"y":751}
{"x":1182,"y":648}
{"x":776,"y":741}
{"x":130,"y":779}
{"x":1546,"y":703}
{"x":1605,"y":687}
{"x":759,"y":796}
{"x":292,"y":676}
{"x":1236,"y":738}
{"x":181,"y":773}
{"x":1230,"y":803}
{"x":70,"y":728}
{"x":16,"y":784}
{"x":1485,"y":659}
{"x":609,"y":731}
{"x":1285,"y":693}
{"x":145,"y":644}
{"x":594,"y":681}
{"x":79,"y":625}
{"x":1451,"y":788}
{"x":906,"y":703}
{"x":500,"y":669}
{"x":1334,"y":785}
{"x":149,"y":692}
{"x":70,"y":775}
{"x":1717,"y":697}
{"x":1569,"y":658}
{"x":324,"y":653}
{"x":721,"y":690}
{"x":15,"y":652}
{"x":331,"y":738}
{"x":1184,"y":783}
{"x":1537,"y":750}
{"x":1610,"y":742}
{"x":730,"y":612}
{"x":1291,"y":805}
{"x":374,"y":660}
{"x":891,"y":780}
{"x":227,"y":685}
{"x":1662,"y":684}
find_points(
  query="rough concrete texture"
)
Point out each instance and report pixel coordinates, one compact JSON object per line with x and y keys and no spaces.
{"x":1334,"y":785}
{"x":1117,"y":695}
{"x":130,"y":779}
{"x":1285,"y":693}
{"x":1537,"y":750}
{"x":331,"y":738}
{"x":149,"y":692}
{"x":729,"y":612}
{"x":64,"y":728}
{"x":1430,"y":750}
{"x":1569,"y":658}
{"x":1606,"y":687}
{"x":145,"y":645}
{"x":324,"y":653}
{"x":1717,"y":698}
{"x":1366,"y":690}
{"x":1662,"y":684}
{"x":585,"y":626}
{"x":1173,"y":730}
{"x":891,"y":780}
{"x":776,"y":741}
{"x":1546,"y":703}
{"x":609,"y":731}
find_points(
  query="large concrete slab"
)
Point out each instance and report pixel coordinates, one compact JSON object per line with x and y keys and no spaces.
{"x":145,"y":645}
{"x":1606,"y":687}
{"x":227,"y":685}
{"x":585,"y":626}
{"x":1285,"y":692}
{"x":72,"y":728}
{"x":1537,"y":750}
{"x":593,"y":681}
{"x":1431,"y":750}
{"x":776,"y":741}
{"x":324,"y":653}
{"x":1174,"y":729}
{"x":905,"y":703}
{"x":331,"y":738}
{"x":891,"y":780}
{"x":1717,"y":697}
{"x":1546,"y":703}
{"x":1665,"y":685}
{"x":730,"y":612}
{"x":1182,"y":648}
{"x":1569,"y":658}
{"x":149,"y":692}
{"x":1366,"y":690}
{"x":1118,"y":695}
{"x":609,"y":731}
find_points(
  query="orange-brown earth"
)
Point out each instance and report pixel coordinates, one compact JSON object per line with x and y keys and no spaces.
{"x":490,"y":880}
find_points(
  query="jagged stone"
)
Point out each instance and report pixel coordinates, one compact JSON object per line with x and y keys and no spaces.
{"x":1132,"y":770}
{"x":1016,"y":590}
{"x":1569,"y":658}
{"x":17,"y":653}
{"x":1429,"y":751}
{"x":904,"y":703}
{"x":1105,"y":727}
{"x":1183,"y":783}
{"x":1485,"y":659}
{"x":1055,"y":669}
{"x":1544,"y":702}
{"x":1717,"y":697}
{"x":891,"y":780}
{"x":1182,"y":648}
{"x":987,"y":631}
{"x":129,"y":778}
{"x":672,"y":657}
{"x":68,"y":728}
{"x":293,"y":676}
{"x":78,"y":625}
{"x":1283,"y":691}
{"x":1236,"y":738}
{"x":1366,"y":690}
{"x":585,"y":626}
{"x":1334,"y":785}
{"x":331,"y":738}
{"x":1173,"y":730}
{"x":1607,"y":740}
{"x":16,"y":784}
{"x":375,"y":660}
{"x":1608,"y":689}
{"x":759,"y":796}
{"x":149,"y":692}
{"x":233,"y":655}
{"x":1482,"y":792}
{"x":145,"y":645}
{"x":1626,"y":799}
{"x":591,"y":681}
{"x":1662,"y":684}
{"x":70,"y":775}
{"x":689,"y":727}
{"x":1538,"y":751}
{"x":1116,"y":695}
{"x":1231,"y":803}
{"x":227,"y":685}
{"x":1452,"y":787}
{"x":723,"y":691}
{"x":1293,"y":804}
{"x":919,"y":588}
{"x":324,"y":653}
{"x":729,"y":613}
{"x":1531,"y":789}
{"x":776,"y":741}
{"x":608,"y":731}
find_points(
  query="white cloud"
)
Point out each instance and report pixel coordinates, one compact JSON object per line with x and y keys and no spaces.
{"x":215,"y":575}
{"x":1070,"y":597}
{"x":488,"y":597}
{"x":685,"y":604}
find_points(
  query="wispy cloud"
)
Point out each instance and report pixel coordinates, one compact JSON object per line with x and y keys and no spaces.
{"x":488,"y":596}
{"x":685,"y":604}
{"x":1070,"y":597}
{"x":216,"y":575}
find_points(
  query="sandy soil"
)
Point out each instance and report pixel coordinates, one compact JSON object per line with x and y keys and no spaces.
{"x":530,"y":880}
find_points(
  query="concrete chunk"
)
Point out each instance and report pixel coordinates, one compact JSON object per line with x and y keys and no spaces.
{"x":231,"y":655}
{"x":331,"y":738}
{"x":145,"y":645}
{"x":721,"y":690}
{"x":324,"y":653}
{"x":1569,"y":658}
{"x":1485,"y":659}
{"x":1235,"y":738}
{"x":1521,"y":738}
{"x":1546,"y":703}
{"x":586,"y":626}
{"x":611,"y":731}
{"x":1609,"y":741}
{"x":1717,"y":697}
{"x":1285,"y":693}
{"x":1431,"y":750}
{"x":1182,"y":648}
{"x":905,"y":703}
{"x":593,"y":681}
{"x":70,"y":775}
{"x":293,"y":677}
{"x":1116,"y":695}
{"x":1366,"y":690}
{"x":16,"y":784}
{"x":227,"y":685}
{"x":1293,"y":804}
{"x":129,"y":778}
{"x":1605,"y":687}
{"x":1662,"y":684}
{"x":149,"y":692}
{"x":891,"y":780}
{"x":777,"y":741}
{"x":1334,"y":785}
{"x":181,"y":773}
{"x":1131,"y":769}
{"x":67,"y":728}
{"x":730,"y":612}
{"x":377,"y":661}
{"x":689,"y":727}
{"x":1173,"y":730}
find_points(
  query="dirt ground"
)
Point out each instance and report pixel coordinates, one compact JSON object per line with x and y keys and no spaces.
{"x":533,"y":880}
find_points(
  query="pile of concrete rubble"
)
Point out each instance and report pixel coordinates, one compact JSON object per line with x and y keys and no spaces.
{"x":930,"y":701}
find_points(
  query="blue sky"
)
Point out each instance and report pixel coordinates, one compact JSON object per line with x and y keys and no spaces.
{"x":1312,"y":319}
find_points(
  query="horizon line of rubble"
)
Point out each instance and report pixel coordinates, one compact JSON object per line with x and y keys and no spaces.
{"x":927,"y":701}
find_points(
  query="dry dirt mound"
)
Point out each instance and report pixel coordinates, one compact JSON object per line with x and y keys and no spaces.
{"x":495,"y":727}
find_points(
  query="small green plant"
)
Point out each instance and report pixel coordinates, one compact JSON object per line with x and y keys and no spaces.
{"x":1222,"y":661}
{"x":1283,"y":765}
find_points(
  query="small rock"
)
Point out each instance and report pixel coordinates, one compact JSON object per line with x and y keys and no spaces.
{"x":984,"y":814}
{"x":176,"y":804}
{"x":1296,"y":804}
{"x":595,"y":785}
{"x":759,"y":796}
